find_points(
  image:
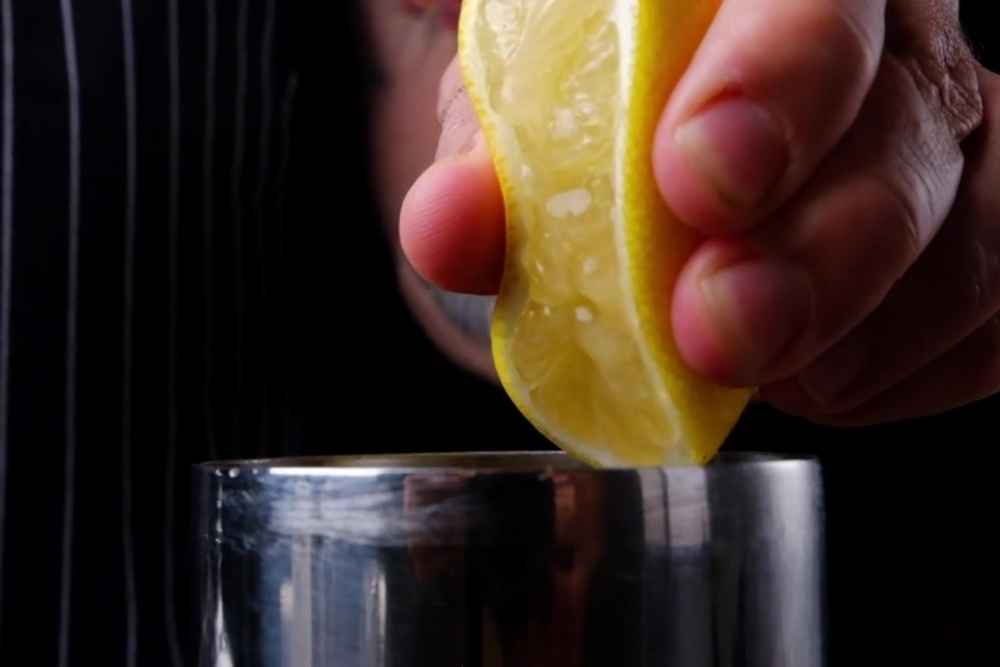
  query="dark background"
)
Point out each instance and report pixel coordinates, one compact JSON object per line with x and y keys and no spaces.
{"x":910,"y":505}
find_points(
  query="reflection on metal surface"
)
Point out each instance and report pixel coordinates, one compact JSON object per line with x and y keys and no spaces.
{"x":510,"y":561}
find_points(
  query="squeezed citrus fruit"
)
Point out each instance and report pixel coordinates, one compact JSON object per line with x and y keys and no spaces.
{"x":568,"y":93}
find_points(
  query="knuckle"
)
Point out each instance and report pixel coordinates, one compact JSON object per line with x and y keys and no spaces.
{"x":920,"y":187}
{"x":450,"y":89}
{"x":973,"y":231}
{"x":951,"y":94}
{"x":903,"y":217}
{"x":846,"y":39}
{"x":984,"y":275}
{"x":943,"y":70}
{"x":858,"y":26}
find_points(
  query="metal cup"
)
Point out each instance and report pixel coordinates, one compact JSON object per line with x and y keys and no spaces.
{"x":510,"y":560}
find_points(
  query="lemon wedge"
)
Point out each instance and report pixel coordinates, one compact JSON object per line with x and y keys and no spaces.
{"x":568,"y":93}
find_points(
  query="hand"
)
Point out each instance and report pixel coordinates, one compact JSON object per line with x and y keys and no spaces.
{"x":843,"y":161}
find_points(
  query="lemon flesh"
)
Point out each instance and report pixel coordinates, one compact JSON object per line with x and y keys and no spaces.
{"x":568,"y":93}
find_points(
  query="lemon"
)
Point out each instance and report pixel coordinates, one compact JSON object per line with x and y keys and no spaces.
{"x":568,"y":93}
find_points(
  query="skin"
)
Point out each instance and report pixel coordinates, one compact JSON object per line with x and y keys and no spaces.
{"x":414,"y":42}
{"x":847,"y":196}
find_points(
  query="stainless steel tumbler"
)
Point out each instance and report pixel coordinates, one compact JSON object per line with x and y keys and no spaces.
{"x":501,"y":560}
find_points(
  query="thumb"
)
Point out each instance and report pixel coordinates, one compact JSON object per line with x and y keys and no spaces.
{"x":451,"y":225}
{"x":459,"y":124}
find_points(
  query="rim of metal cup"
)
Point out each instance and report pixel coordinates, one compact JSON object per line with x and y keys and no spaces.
{"x":473,"y":461}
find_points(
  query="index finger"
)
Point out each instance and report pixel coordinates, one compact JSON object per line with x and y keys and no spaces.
{"x":774,"y":87}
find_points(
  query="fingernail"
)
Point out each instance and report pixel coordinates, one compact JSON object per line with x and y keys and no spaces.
{"x":738,"y":148}
{"x":759,"y":308}
{"x":826,"y":381}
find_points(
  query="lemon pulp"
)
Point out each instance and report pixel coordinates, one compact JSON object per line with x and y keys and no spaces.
{"x":568,"y":93}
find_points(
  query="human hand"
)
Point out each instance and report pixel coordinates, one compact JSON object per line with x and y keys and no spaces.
{"x":837,"y":157}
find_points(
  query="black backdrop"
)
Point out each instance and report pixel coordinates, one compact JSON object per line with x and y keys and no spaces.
{"x":909,"y":505}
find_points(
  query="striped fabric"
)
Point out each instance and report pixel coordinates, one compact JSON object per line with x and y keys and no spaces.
{"x":190,"y":268}
{"x":143,"y":146}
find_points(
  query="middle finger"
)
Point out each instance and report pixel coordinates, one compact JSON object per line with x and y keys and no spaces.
{"x":758,"y":310}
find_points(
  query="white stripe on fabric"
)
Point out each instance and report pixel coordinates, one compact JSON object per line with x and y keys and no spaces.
{"x":173,"y":218}
{"x":263,"y":164}
{"x":236,"y":180}
{"x":208,"y":218}
{"x":128,"y":312}
{"x":6,"y":255}
{"x":287,"y":112}
{"x":72,"y":290}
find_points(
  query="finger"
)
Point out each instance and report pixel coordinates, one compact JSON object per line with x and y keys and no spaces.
{"x":452,"y":224}
{"x":757,"y":310}
{"x":452,"y":227}
{"x":949,"y":293}
{"x":459,"y":123}
{"x":774,"y":86}
{"x":968,"y":373}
